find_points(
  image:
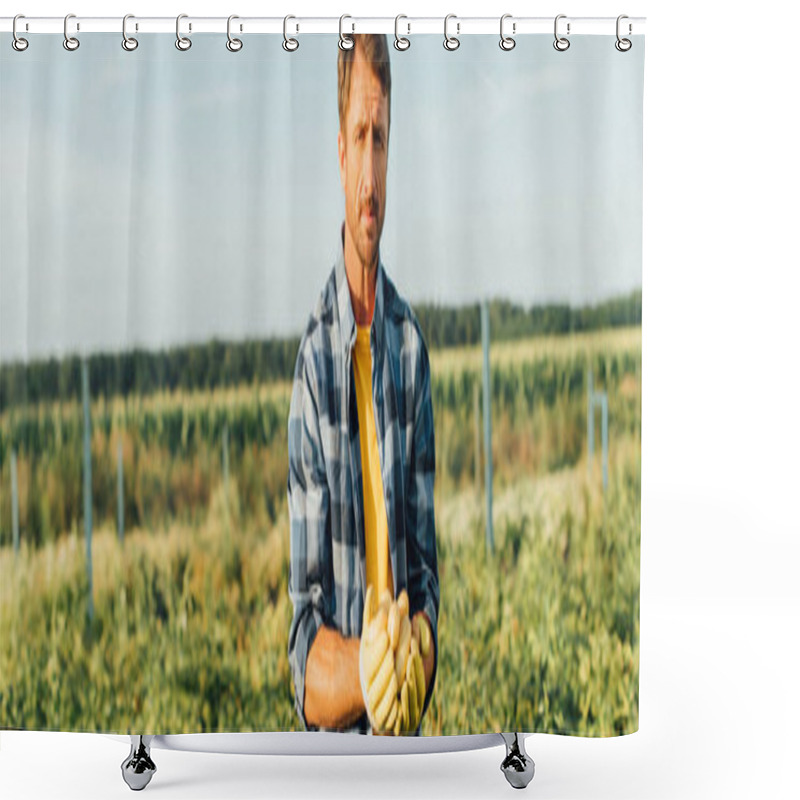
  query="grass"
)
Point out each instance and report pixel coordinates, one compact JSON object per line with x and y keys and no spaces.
{"x":192,"y":611}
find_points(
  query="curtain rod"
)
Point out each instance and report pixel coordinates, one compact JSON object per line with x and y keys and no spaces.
{"x":459,"y":26}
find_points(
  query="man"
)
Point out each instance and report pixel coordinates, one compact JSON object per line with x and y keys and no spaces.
{"x":361,"y":446}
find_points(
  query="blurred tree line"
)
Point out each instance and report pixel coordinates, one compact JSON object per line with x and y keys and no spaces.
{"x":217,"y":363}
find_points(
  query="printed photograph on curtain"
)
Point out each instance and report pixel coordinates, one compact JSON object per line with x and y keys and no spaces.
{"x":320,"y":386}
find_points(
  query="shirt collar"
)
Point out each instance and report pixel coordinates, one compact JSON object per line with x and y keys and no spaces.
{"x":347,"y":319}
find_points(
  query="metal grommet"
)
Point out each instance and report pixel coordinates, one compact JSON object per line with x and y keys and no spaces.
{"x":18,"y":43}
{"x":451,"y":42}
{"x":623,"y":45}
{"x":181,"y":42}
{"x":128,"y":42}
{"x":561,"y":43}
{"x":290,"y":45}
{"x":233,"y":44}
{"x":400,"y":42}
{"x":70,"y":42}
{"x":507,"y":42}
{"x":345,"y":42}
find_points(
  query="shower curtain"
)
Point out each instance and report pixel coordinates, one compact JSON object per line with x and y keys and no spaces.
{"x":320,"y":384}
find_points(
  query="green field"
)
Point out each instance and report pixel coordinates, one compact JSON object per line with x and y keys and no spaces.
{"x":192,"y":612}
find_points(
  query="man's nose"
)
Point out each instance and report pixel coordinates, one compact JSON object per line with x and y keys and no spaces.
{"x":368,"y":170}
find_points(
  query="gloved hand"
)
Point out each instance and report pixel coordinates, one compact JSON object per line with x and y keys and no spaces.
{"x":377,"y":666}
{"x":391,"y":667}
{"x":421,"y":630}
{"x":413,"y":688}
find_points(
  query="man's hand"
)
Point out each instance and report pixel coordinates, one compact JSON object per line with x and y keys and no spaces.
{"x":332,"y":689}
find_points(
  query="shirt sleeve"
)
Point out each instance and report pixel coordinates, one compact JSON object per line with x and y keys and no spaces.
{"x":309,"y":507}
{"x":423,"y":570}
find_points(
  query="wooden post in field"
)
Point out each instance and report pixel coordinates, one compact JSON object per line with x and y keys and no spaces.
{"x":120,"y":495}
{"x":87,"y":480}
{"x":487,"y":423}
{"x":597,"y":399}
{"x":604,"y":407}
{"x":476,"y":402}
{"x":14,"y":502}
{"x":590,"y":420}
{"x":225,"y":457}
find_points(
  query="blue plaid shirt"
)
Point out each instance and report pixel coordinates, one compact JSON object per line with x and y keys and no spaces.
{"x":327,"y":572}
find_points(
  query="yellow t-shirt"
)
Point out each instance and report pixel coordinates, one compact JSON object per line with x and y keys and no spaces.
{"x":376,"y":527}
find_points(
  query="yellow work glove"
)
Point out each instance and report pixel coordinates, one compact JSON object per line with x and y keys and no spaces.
{"x":377,"y":666}
{"x":392,"y":672}
{"x":413,"y":688}
{"x":421,"y":629}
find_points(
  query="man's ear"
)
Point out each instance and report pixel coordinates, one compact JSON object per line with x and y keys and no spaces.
{"x":341,"y":147}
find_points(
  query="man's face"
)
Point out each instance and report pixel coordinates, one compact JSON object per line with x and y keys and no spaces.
{"x":363,"y":152}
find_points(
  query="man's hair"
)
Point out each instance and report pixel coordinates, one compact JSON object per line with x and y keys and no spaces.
{"x":375,"y":51}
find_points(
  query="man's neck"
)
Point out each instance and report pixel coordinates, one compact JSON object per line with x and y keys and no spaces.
{"x":361,"y":279}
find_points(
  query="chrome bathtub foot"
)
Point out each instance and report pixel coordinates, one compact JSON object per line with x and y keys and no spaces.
{"x":517,"y":766}
{"x":138,"y":768}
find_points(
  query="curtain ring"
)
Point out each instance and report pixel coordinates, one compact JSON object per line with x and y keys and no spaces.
{"x":181,"y":42}
{"x":128,"y":42}
{"x":623,"y":45}
{"x":561,"y":43}
{"x":233,"y":44}
{"x":70,"y":42}
{"x":289,"y":45}
{"x":345,"y":42}
{"x":506,"y":42}
{"x":400,"y":42}
{"x":18,"y":43}
{"x":450,"y":42}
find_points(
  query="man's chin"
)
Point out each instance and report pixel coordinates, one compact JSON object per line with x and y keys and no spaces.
{"x":369,"y":245}
{"x":369,"y":229}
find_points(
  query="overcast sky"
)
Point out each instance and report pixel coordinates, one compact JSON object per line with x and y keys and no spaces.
{"x":162,"y":197}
